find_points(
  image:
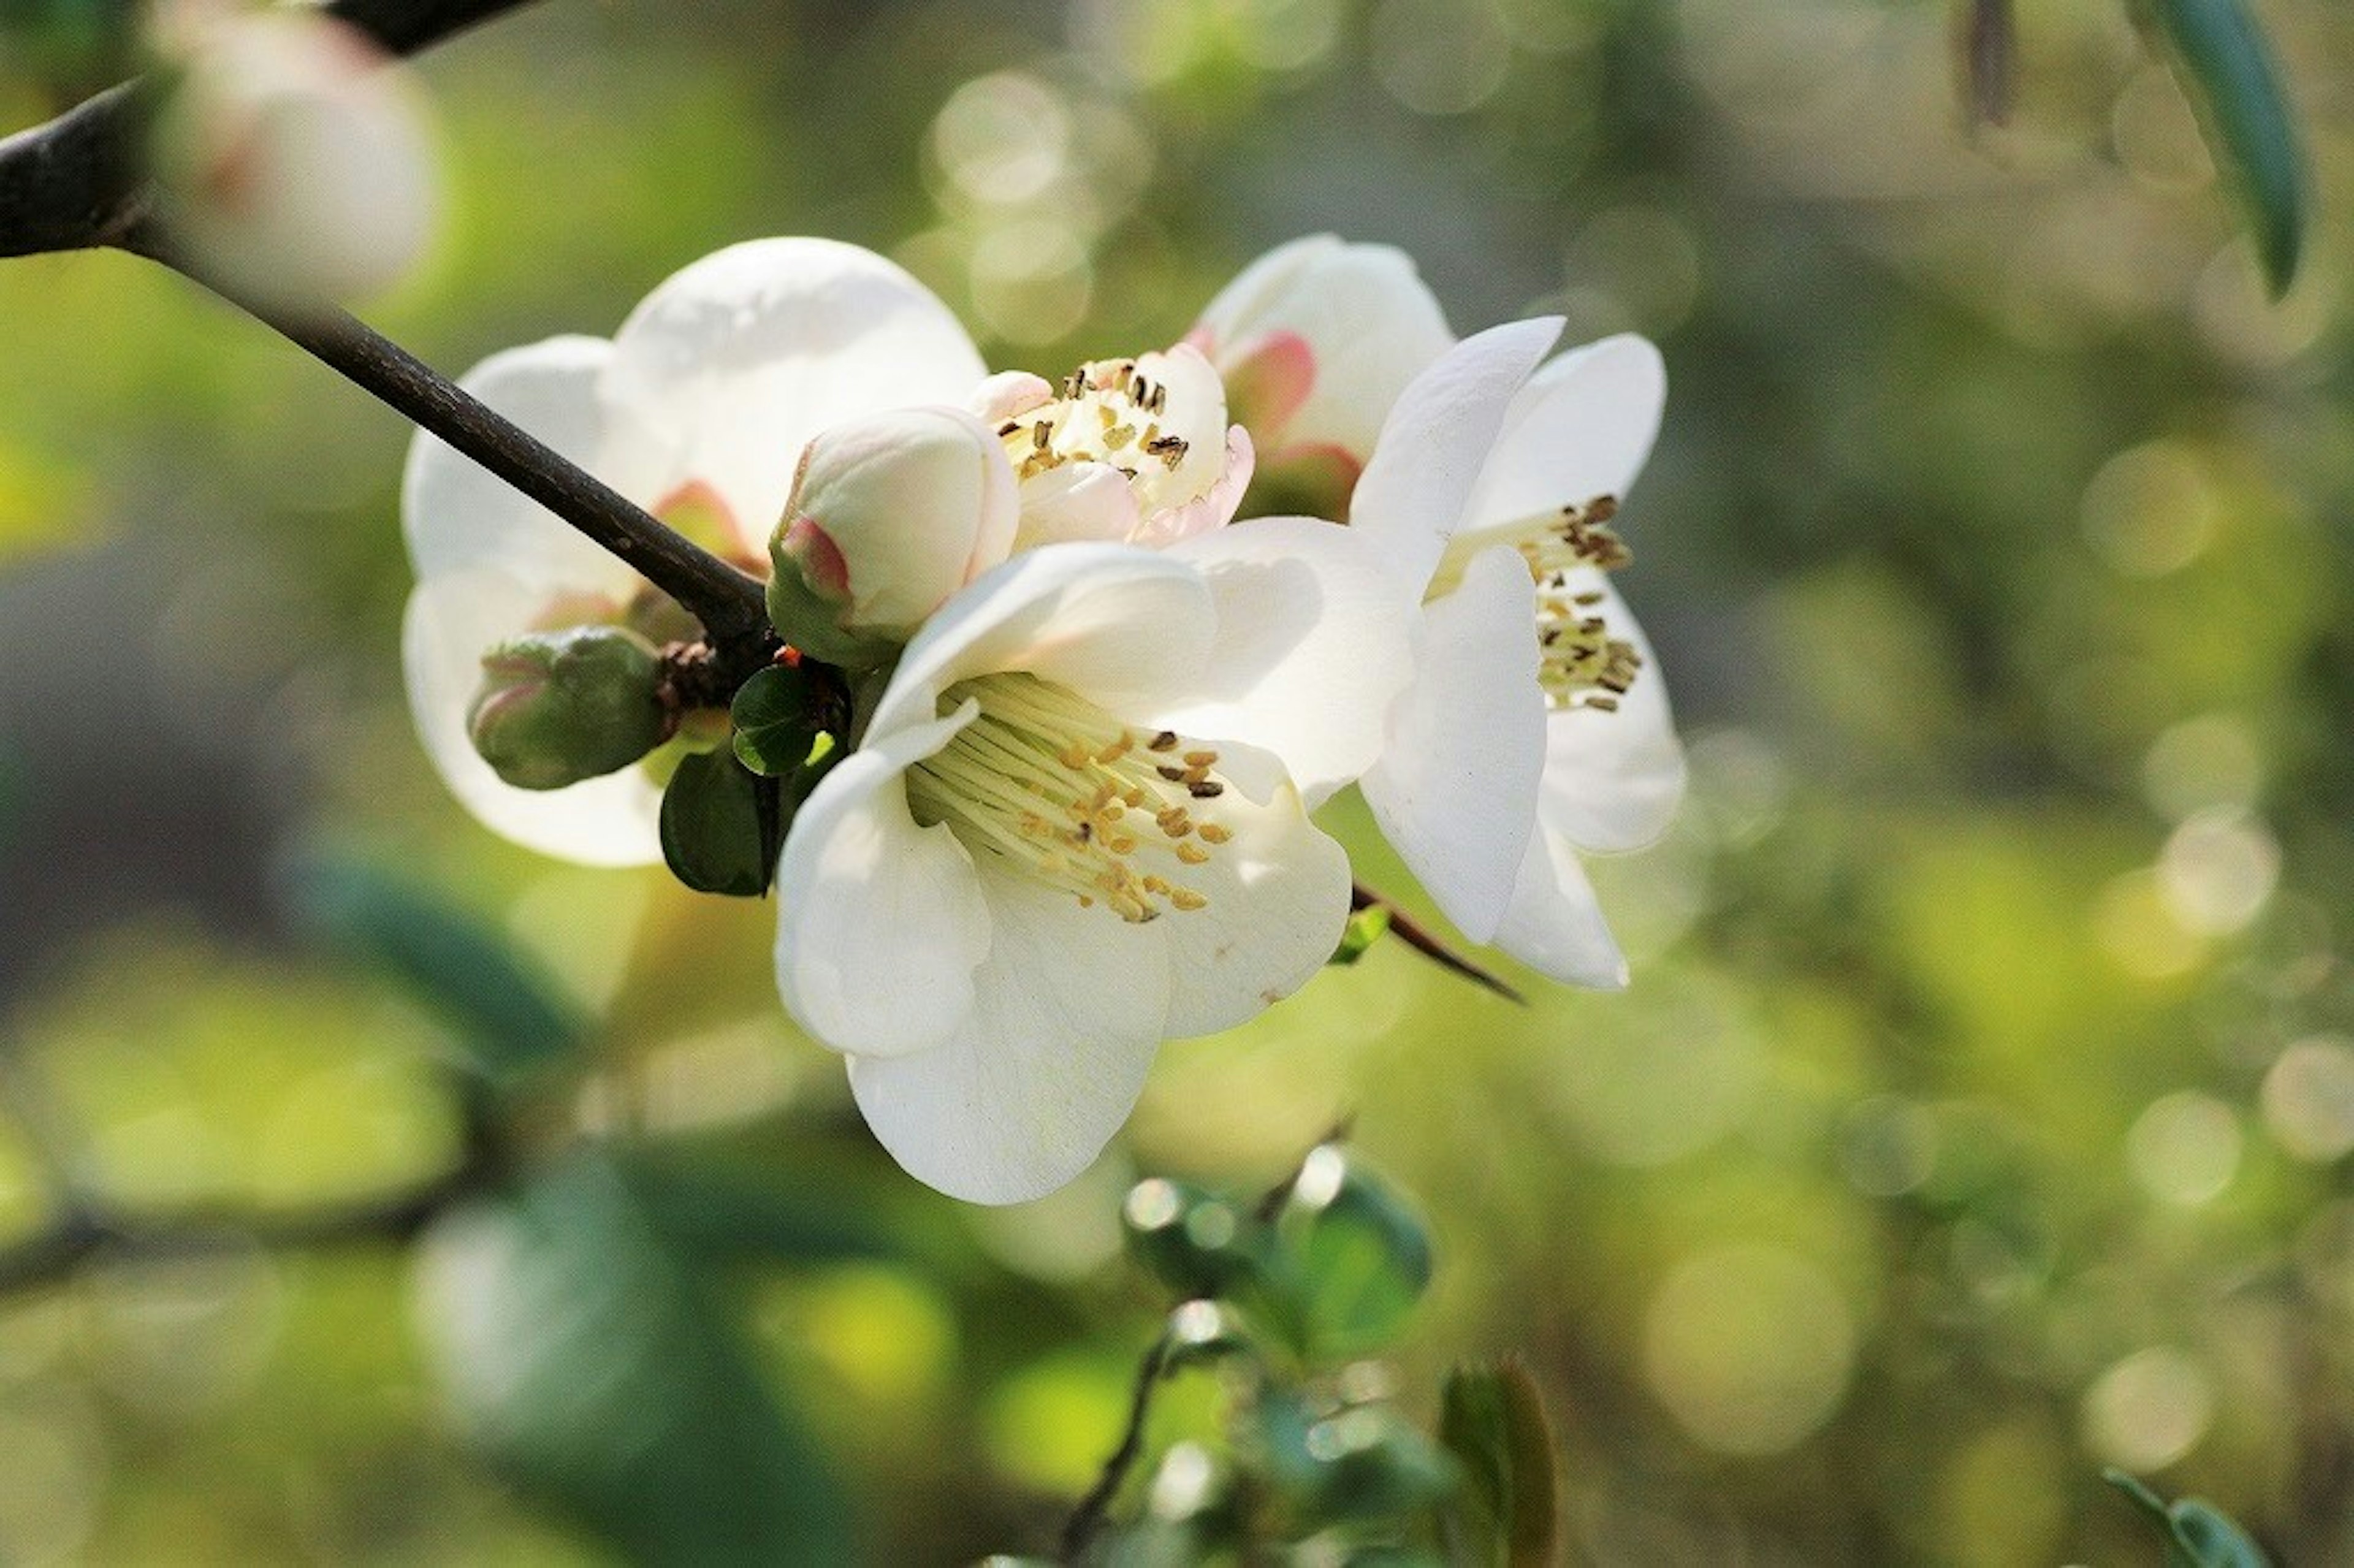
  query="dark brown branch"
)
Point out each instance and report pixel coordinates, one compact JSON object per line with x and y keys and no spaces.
{"x":1418,"y":937}
{"x":732,"y":606}
{"x":1089,"y":1517}
{"x":76,"y":182}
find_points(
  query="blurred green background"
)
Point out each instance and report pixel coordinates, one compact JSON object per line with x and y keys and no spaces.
{"x":1980,"y":1112}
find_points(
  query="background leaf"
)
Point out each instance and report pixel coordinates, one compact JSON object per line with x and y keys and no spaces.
{"x":585,"y":1360}
{"x":1492,"y":1420}
{"x":2228,"y":69}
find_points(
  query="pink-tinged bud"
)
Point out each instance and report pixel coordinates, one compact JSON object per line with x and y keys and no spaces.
{"x":293,"y":156}
{"x":890,"y":514}
{"x":1316,"y":340}
{"x":556,"y":707}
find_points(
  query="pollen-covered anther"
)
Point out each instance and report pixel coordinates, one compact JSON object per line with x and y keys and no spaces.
{"x":1046,"y":781}
{"x":1581,"y":665}
{"x":1107,"y":410}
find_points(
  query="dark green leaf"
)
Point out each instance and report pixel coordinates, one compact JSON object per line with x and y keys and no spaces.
{"x":779,"y":714}
{"x":1351,"y":1259}
{"x":727,"y":1209}
{"x":1492,"y":1420}
{"x":508,"y":1016}
{"x":1197,"y":1243}
{"x":1366,"y":927}
{"x":721,"y":826}
{"x":2228,"y":69}
{"x":2198,"y":1534}
{"x":1363,"y":1462}
{"x":585,"y":1362}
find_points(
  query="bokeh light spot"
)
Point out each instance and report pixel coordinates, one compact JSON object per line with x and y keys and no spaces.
{"x":1749,"y":1348}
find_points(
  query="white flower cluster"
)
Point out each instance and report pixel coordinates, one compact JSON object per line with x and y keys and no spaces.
{"x":1094,"y":711}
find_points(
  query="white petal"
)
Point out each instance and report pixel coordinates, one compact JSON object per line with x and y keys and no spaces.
{"x":457,"y":515}
{"x":1079,"y":502}
{"x":1119,"y":625}
{"x":881,"y":923}
{"x":1370,"y":322}
{"x":1581,"y":428}
{"x":1555,"y":925}
{"x":1456,"y":790}
{"x":1613,"y":780}
{"x":746,"y":353}
{"x":1071,"y":1008}
{"x":1278,"y":893}
{"x":1314,"y":644}
{"x":453,"y":618}
{"x":1411,"y":496}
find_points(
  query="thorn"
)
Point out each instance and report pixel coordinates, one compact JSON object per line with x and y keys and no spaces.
{"x":1415,"y":935}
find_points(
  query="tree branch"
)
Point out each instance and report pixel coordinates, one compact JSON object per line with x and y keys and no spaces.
{"x":77,"y":182}
{"x":732,"y":606}
{"x":1089,"y":1517}
{"x":1418,"y":937}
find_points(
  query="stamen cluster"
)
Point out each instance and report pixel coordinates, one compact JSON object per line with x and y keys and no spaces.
{"x":1048,"y":780}
{"x":1107,"y":412}
{"x":1582,"y":665}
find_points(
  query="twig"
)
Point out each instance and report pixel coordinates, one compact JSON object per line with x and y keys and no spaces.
{"x":1089,"y":1517}
{"x":1418,"y":937}
{"x":83,"y":1232}
{"x":77,"y":182}
{"x":731,"y":605}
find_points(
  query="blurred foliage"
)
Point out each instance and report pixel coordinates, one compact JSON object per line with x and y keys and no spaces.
{"x":1980,"y":1112}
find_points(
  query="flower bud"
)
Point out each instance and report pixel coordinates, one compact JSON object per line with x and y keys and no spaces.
{"x":890,"y":514}
{"x":293,"y":156}
{"x":556,"y":707}
{"x":1316,"y":339}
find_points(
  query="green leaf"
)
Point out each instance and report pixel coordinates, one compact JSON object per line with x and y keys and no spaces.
{"x":509,"y":1017}
{"x":779,"y":716}
{"x":2228,"y":70}
{"x":2198,"y":1534}
{"x":721,"y":826}
{"x":1363,"y":1462}
{"x":731,"y":1210}
{"x":1365,"y":927}
{"x":1198,"y":1243}
{"x":1492,"y":1420}
{"x":1352,"y":1260}
{"x":586,"y":1361}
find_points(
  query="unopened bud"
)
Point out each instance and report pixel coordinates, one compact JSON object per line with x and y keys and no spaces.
{"x":556,"y":707}
{"x":890,"y":514}
{"x":293,"y":156}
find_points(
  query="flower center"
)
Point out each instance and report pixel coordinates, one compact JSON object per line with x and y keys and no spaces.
{"x":1110,"y":412}
{"x":1045,"y":779}
{"x":1581,"y":665}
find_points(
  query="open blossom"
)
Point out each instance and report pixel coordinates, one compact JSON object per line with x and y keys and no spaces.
{"x":699,"y":409}
{"x":1075,"y":826}
{"x":1537,"y":728}
{"x":1316,"y":340}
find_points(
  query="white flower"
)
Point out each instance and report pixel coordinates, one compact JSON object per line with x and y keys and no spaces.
{"x":1075,"y":826}
{"x":698,"y":409}
{"x":1537,"y":728}
{"x":1316,"y":340}
{"x":1127,"y":451}
{"x":293,"y":156}
{"x":890,"y":514}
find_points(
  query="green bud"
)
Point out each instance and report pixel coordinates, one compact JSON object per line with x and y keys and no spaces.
{"x":556,"y":707}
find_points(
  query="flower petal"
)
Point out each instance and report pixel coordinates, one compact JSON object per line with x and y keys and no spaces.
{"x":1581,"y":428}
{"x":1555,"y":924}
{"x":1456,"y":790}
{"x":746,"y":353}
{"x":1613,"y":780}
{"x":1370,"y":323}
{"x":453,"y":620}
{"x":1411,"y":496}
{"x":456,"y":514}
{"x":883,"y":923}
{"x":1278,"y":899}
{"x":1121,"y":626}
{"x":1314,"y":644}
{"x":1070,"y":1010}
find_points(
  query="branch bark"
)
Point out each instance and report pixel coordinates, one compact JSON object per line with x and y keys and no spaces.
{"x":76,"y":182}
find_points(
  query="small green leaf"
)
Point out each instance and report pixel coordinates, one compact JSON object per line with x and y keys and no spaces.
{"x":509,"y":1017}
{"x":780,"y":714}
{"x":1351,"y":1261}
{"x":1197,"y":1243}
{"x":1366,"y":927}
{"x":2228,"y":70}
{"x":2198,"y":1534}
{"x":1492,"y":1420}
{"x":1361,"y":1462}
{"x":721,"y":826}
